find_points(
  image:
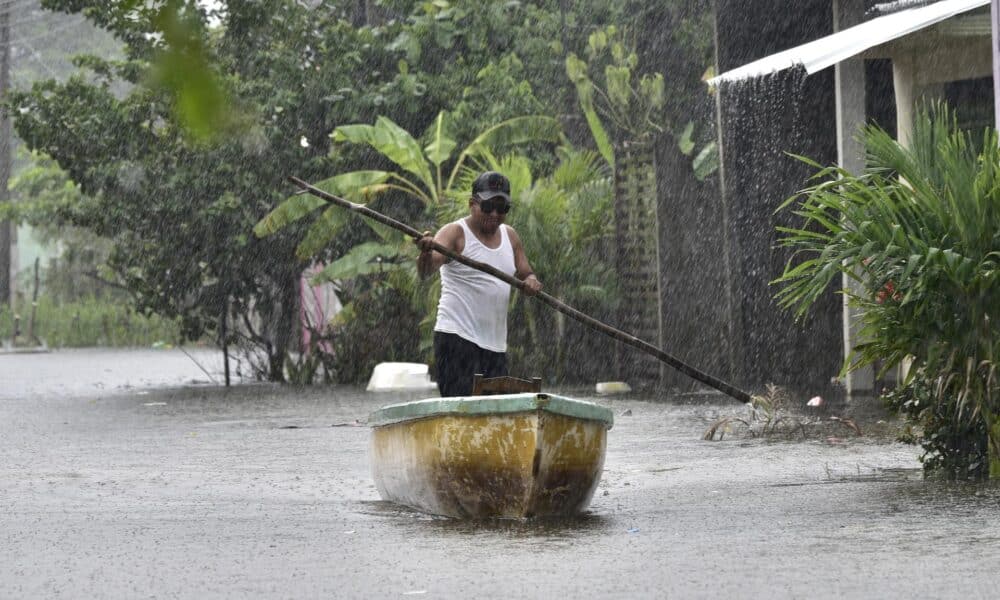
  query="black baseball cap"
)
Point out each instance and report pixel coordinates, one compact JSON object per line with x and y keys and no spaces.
{"x":490,"y":185}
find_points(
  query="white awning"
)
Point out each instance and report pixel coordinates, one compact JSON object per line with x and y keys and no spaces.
{"x":827,"y":51}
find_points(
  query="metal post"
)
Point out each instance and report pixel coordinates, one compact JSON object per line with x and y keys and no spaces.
{"x":6,"y":228}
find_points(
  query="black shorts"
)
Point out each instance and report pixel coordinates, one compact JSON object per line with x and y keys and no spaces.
{"x":458,"y":359}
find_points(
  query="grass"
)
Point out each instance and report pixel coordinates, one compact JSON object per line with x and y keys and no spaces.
{"x":86,"y":323}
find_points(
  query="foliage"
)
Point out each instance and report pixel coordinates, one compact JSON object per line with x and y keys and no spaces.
{"x":770,"y":415}
{"x":487,"y":61}
{"x":179,"y":212}
{"x":612,"y":89}
{"x":89,"y":322}
{"x":377,"y":325}
{"x":172,"y":37}
{"x":706,"y":161}
{"x":41,"y":194}
{"x":39,"y":190}
{"x":175,"y":171}
{"x":953,"y":448}
{"x":424,"y":173}
{"x":627,"y":99}
{"x":919,"y":232}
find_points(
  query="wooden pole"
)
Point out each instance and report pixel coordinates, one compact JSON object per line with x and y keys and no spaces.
{"x":34,"y":308}
{"x":224,"y":336}
{"x":555,"y":303}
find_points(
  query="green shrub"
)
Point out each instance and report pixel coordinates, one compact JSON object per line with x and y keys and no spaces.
{"x":376,"y":325}
{"x":919,"y":231}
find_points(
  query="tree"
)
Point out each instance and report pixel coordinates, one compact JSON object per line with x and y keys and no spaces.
{"x":179,"y":208}
{"x":43,"y":196}
{"x":185,"y":144}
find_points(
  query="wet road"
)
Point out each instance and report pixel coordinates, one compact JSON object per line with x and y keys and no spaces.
{"x":116,"y":483}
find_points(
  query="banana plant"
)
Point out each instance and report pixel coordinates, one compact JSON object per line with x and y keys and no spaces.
{"x":426,"y":174}
{"x":630,"y":103}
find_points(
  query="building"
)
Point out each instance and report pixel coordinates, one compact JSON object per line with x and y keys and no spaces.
{"x":803,"y":77}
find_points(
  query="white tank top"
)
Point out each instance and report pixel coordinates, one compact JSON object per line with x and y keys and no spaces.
{"x":473,"y":304}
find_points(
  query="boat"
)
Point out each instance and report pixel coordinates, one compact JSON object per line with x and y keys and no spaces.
{"x":506,"y":456}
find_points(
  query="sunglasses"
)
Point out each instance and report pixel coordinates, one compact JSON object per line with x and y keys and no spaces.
{"x":500,"y":205}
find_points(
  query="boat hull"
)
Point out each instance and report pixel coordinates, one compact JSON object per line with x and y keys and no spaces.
{"x":511,"y":460}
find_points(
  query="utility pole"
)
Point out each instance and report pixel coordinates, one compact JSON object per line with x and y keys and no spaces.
{"x":6,"y":228}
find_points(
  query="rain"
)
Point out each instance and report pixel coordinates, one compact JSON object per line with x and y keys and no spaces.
{"x":747,"y":270}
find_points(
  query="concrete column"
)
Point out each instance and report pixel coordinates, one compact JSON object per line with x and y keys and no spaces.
{"x":903,"y":82}
{"x":849,"y":78}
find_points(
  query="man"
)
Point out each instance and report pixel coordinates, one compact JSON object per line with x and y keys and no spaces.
{"x":470,"y":335}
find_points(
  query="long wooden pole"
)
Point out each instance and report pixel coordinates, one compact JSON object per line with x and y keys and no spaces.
{"x":555,"y":303}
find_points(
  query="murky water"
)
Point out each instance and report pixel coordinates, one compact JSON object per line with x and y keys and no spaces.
{"x":118,"y":483}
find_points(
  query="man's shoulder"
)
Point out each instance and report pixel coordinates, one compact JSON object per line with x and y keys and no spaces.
{"x":453,"y":229}
{"x":512,"y":233}
{"x":454,"y":235}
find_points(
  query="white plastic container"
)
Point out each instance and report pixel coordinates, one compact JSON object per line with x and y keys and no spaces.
{"x":613,"y":387}
{"x":394,"y":377}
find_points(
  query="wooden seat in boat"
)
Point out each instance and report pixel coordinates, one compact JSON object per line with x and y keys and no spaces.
{"x":483,"y":386}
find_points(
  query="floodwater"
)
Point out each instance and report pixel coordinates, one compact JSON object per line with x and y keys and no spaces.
{"x":131,"y":475}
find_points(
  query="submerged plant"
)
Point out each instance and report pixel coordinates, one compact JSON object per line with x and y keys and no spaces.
{"x":771,"y":415}
{"x":919,"y":233}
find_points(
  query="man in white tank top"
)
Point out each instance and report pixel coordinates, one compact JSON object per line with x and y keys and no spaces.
{"x":470,"y":335}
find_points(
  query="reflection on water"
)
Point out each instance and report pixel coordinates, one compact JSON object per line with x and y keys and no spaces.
{"x":874,"y":475}
{"x":946,"y":497}
{"x":550,"y":528}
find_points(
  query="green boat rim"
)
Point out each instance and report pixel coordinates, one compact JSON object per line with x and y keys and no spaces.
{"x":491,"y":405}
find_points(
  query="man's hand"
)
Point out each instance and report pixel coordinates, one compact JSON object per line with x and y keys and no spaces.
{"x":426,"y":259}
{"x":531,"y":285}
{"x":425,"y":243}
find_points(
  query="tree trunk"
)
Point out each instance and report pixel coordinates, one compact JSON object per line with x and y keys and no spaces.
{"x":637,"y":237}
{"x":283,"y":325}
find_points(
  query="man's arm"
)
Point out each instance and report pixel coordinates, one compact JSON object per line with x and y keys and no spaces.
{"x":428,"y":261}
{"x":523,"y":270}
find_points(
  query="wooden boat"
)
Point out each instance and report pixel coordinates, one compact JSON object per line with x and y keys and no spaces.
{"x":511,"y":455}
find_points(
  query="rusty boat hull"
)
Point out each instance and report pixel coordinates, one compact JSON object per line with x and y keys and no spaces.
{"x":508,"y":456}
